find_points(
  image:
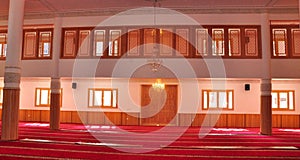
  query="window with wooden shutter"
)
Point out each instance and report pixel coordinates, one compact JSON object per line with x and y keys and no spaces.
{"x":69,"y":50}
{"x":133,"y":42}
{"x":234,"y":42}
{"x":182,"y":41}
{"x":84,"y":43}
{"x":30,"y":40}
{"x":114,"y":43}
{"x":280,"y":42}
{"x":202,"y":42}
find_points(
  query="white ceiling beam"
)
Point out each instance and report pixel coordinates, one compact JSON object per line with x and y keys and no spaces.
{"x":271,"y":3}
{"x":48,"y":5}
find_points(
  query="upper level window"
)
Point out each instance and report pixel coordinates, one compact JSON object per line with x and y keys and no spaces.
{"x":228,"y":41}
{"x":202,"y":42}
{"x":283,"y":100}
{"x":218,"y":48}
{"x":37,"y":44}
{"x":99,"y":43}
{"x":217,"y":99}
{"x":234,"y":42}
{"x":167,"y":41}
{"x":285,"y":41}
{"x":182,"y":41}
{"x":279,"y":42}
{"x":100,"y":97}
{"x":3,"y":45}
{"x":114,"y":43}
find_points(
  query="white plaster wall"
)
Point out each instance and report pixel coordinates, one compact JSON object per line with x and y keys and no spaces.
{"x":129,"y":96}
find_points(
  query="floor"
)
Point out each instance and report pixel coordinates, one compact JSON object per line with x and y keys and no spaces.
{"x":75,"y":141}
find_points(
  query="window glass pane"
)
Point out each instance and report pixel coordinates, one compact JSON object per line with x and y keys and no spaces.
{"x":234,"y":43}
{"x":1,"y":95}
{"x":291,"y":100}
{"x":3,"y":44}
{"x":283,"y":101}
{"x":99,"y":39}
{"x":230,"y":100}
{"x":97,"y":98}
{"x":44,"y":97}
{"x":29,"y":50}
{"x":222,"y":100}
{"x":91,"y":97}
{"x":107,"y":98}
{"x":70,"y":43}
{"x":205,"y":99}
{"x":182,"y":37}
{"x":44,"y":44}
{"x":279,"y":42}
{"x":1,"y":49}
{"x":166,"y":42}
{"x":5,"y":50}
{"x":296,"y":42}
{"x":133,"y":42}
{"x":201,"y":42}
{"x":114,"y":95}
{"x":84,"y":43}
{"x":218,"y":42}
{"x":274,"y":100}
{"x":251,"y":42}
{"x":213,"y":100}
{"x":114,"y":43}
{"x":37,"y":97}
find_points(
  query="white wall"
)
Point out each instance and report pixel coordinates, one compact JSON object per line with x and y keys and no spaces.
{"x":129,"y":97}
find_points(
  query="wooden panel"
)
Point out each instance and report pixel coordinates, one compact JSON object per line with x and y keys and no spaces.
{"x":235,"y":120}
{"x":221,"y":121}
{"x":198,"y":120}
{"x":66,"y":116}
{"x":45,"y":116}
{"x":79,"y":117}
{"x":290,"y":121}
{"x":252,"y":120}
{"x":185,"y":119}
{"x":32,"y":115}
{"x":130,"y":119}
{"x":276,"y":121}
{"x":0,"y":114}
{"x":152,"y":102}
{"x":113,"y":118}
{"x":22,"y":115}
{"x":95,"y":118}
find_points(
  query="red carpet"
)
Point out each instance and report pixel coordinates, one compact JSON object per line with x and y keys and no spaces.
{"x":73,"y":141}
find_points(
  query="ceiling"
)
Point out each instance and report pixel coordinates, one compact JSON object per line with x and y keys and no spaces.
{"x":46,"y":8}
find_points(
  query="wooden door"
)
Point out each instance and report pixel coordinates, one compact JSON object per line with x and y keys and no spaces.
{"x":159,"y":108}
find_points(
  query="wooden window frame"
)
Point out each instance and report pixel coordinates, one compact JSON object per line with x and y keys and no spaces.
{"x":37,"y":44}
{"x":49,"y":96}
{"x":217,"y":107}
{"x":102,"y":98}
{"x":288,"y":100}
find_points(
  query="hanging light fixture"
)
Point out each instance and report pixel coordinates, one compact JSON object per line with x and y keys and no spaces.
{"x":155,"y":62}
{"x":158,"y":85}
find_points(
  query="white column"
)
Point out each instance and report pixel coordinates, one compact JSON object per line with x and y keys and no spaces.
{"x":12,"y":73}
{"x":55,"y":79}
{"x":266,"y":83}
